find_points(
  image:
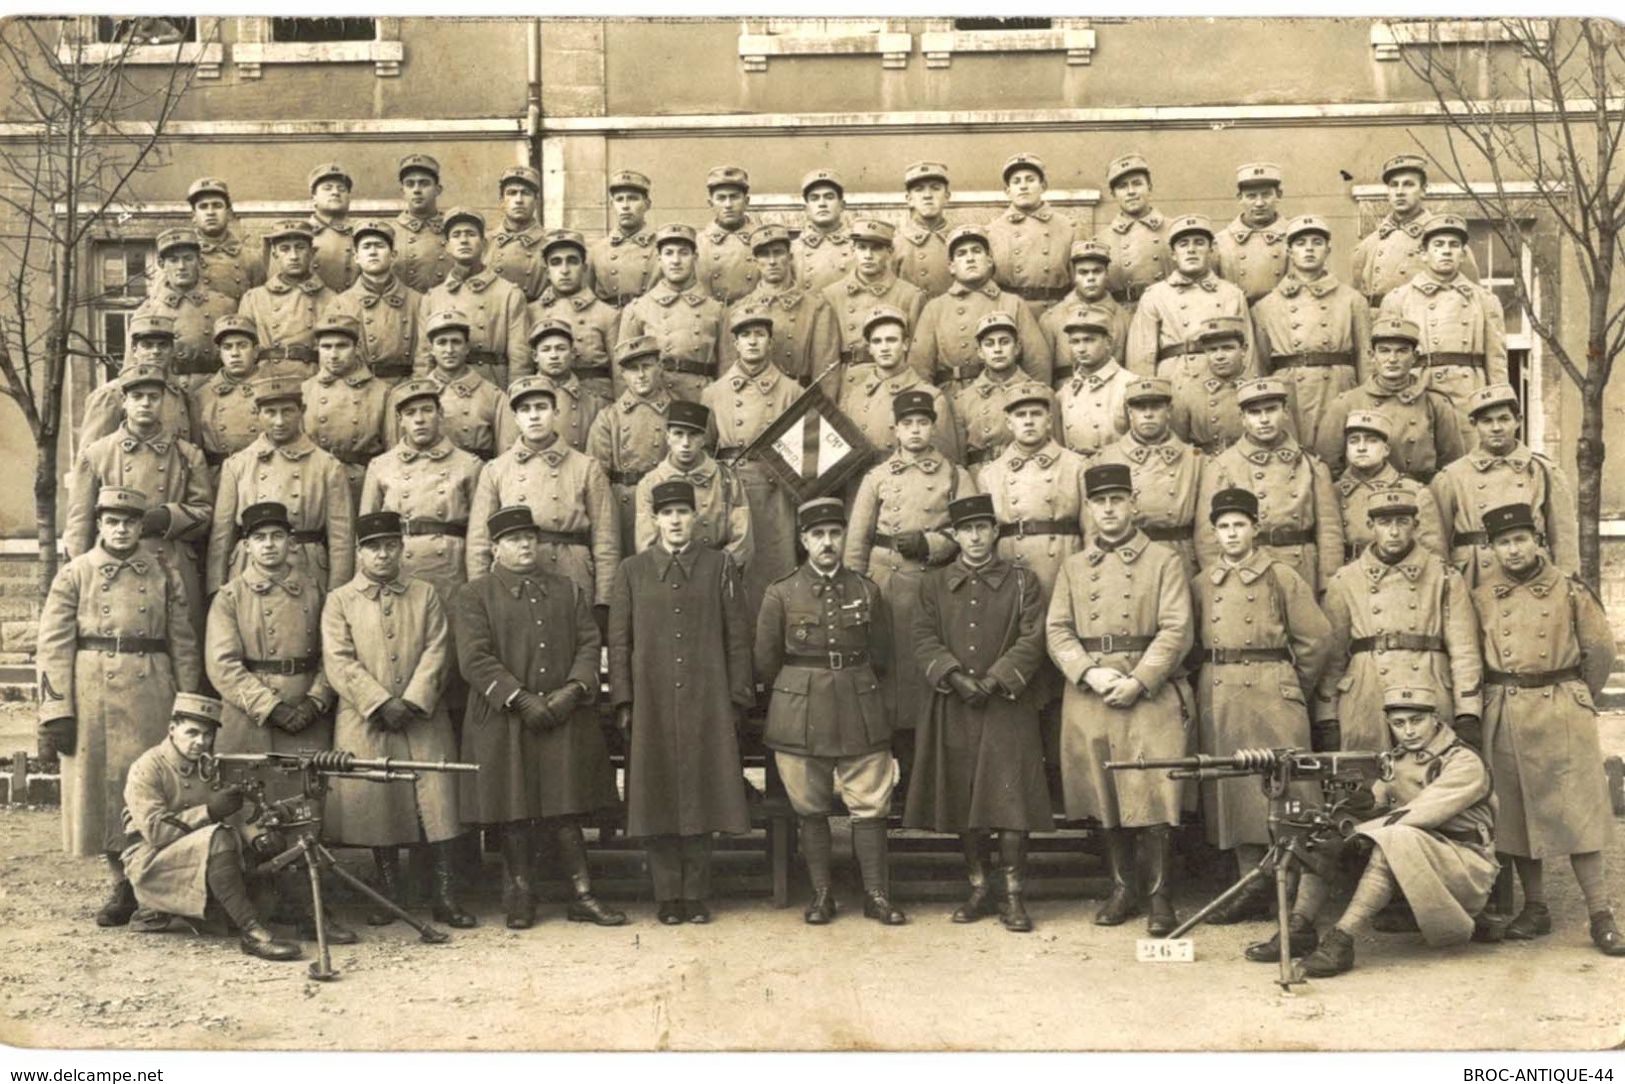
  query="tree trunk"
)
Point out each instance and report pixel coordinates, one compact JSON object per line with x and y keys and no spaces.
{"x":45,"y":485}
{"x":1589,"y":456}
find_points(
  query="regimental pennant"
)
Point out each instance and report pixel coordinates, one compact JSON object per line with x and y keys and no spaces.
{"x":813,"y":448}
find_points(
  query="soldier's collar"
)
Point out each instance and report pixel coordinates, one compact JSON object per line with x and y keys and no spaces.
{"x":666,"y":560}
{"x":1256,"y":564}
{"x":1208,"y":280}
{"x":1043,"y":213}
{"x":159,"y":442}
{"x":174,"y":295}
{"x":928,"y":462}
{"x":718,"y":233}
{"x":994,"y":572}
{"x":1108,"y":369}
{"x":440,"y":449}
{"x":1383,"y":479}
{"x":569,"y":383}
{"x":812,"y":236}
{"x":177,"y":759}
{"x":1242,"y":232}
{"x":919,"y":233}
{"x":642,"y":238}
{"x":764,"y":381}
{"x":111,"y":565}
{"x":658,"y":402}
{"x":1129,"y":549}
{"x":260,"y":583}
{"x":1287,"y":451}
{"x":296,"y":449}
{"x":224,"y":383}
{"x":1151,"y":220}
{"x":354,"y":378}
{"x":1427,"y":285}
{"x":227,"y":242}
{"x":1413,"y":227}
{"x":466,"y":382}
{"x":1518,"y":458}
{"x":766,"y":296}
{"x":665,"y":294}
{"x":337,"y":225}
{"x":514,"y":582}
{"x":554,"y":454}
{"x":1541,"y":584}
{"x":528,"y":238}
{"x":479,"y":280}
{"x":1411,"y":566}
{"x":902,"y":378}
{"x":1291,"y":285}
{"x":987,"y":385}
{"x":279,"y":283}
{"x":989,"y":288}
{"x":435,"y":222}
{"x":1169,"y":449}
{"x":1014,"y":458}
{"x":372,"y":588}
{"x":880,"y":285}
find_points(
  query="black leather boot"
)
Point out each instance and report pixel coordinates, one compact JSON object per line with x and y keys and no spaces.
{"x":1160,"y":917}
{"x":1254,"y":903}
{"x":1123,"y":903}
{"x":1302,"y":939}
{"x":1535,"y":920}
{"x":518,"y":897}
{"x":1605,"y":934}
{"x":119,"y":905}
{"x":1334,"y":956}
{"x":1013,"y":860}
{"x":815,"y":851}
{"x":443,"y":899}
{"x":258,"y":941}
{"x":585,"y":907}
{"x":979,"y":904}
{"x":388,"y":861}
{"x":869,"y":844}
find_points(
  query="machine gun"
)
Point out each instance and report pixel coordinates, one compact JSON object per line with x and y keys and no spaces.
{"x":1303,"y":835}
{"x":300,"y":817}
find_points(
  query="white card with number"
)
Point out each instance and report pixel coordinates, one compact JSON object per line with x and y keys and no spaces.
{"x":1163,"y":950}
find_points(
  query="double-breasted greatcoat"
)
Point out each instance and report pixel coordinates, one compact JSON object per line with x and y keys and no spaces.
{"x":313,"y":487}
{"x":1316,"y":336}
{"x":433,"y":491}
{"x":1426,"y":433}
{"x":1298,"y":517}
{"x":1479,"y":481}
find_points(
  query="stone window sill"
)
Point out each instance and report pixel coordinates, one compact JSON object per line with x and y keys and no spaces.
{"x":207,"y":56}
{"x":939,"y":47}
{"x":1390,"y":36}
{"x":893,"y":48}
{"x":384,"y":56}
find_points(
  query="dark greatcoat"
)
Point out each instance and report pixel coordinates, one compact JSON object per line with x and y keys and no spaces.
{"x":679,"y":653}
{"x":533,"y":632}
{"x":980,"y":767}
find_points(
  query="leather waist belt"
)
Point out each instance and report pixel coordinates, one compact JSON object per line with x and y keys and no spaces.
{"x":981,"y":455}
{"x":457,"y":528}
{"x":353,"y":459}
{"x":1537,"y":680}
{"x":1128,"y":295}
{"x":1170,"y":534}
{"x":308,"y":664}
{"x":1396,"y":641}
{"x":289,"y":352}
{"x":627,"y":477}
{"x":125,"y":645}
{"x":1225,"y":656}
{"x":316,"y":537}
{"x":1041,"y":293}
{"x":1286,"y":536}
{"x":486,"y":357}
{"x":392,"y":368}
{"x":1028,"y":528}
{"x":1311,"y":360}
{"x":1471,"y":538}
{"x":968,"y":371}
{"x":728,"y":455}
{"x":689,"y":366}
{"x":1351,"y":550}
{"x":214,"y":459}
{"x":1471,"y":836}
{"x":1445,"y":357}
{"x":566,"y":538}
{"x":592,"y":372}
{"x":1115,"y":645}
{"x":1177,"y":350}
{"x":829,"y":660}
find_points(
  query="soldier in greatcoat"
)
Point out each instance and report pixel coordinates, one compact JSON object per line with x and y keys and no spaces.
{"x":527,"y":645}
{"x":514,"y":251}
{"x":622,"y":264}
{"x":823,"y":249}
{"x":594,"y":323}
{"x":872,"y":284}
{"x":1119,"y":702}
{"x":899,"y":528}
{"x":944,"y":345}
{"x":1031,"y":242}
{"x":685,"y":323}
{"x":1367,"y":437}
{"x":680,"y":681}
{"x":152,"y":344}
{"x":823,"y":638}
{"x":224,"y":404}
{"x":476,"y":412}
{"x":1162,"y":337}
{"x":723,"y":266}
{"x":492,"y":307}
{"x":978,"y":635}
{"x":721,"y":511}
{"x":1167,"y":472}
{"x":806,"y":340}
{"x":385,"y":308}
{"x":332,"y":232}
{"x":345,"y":405}
{"x":1502,"y":469}
{"x":1090,"y":260}
{"x":1548,"y":652}
{"x":979,"y":405}
{"x":1252,"y":250}
{"x":628,"y":437}
{"x":1205,"y":410}
{"x":1298,"y":518}
{"x":1391,"y":255}
{"x":181,"y":296}
{"x":1091,"y":400}
{"x":116,"y":642}
{"x":1137,"y":235}
{"x":1263,"y":642}
{"x":230,"y":262}
{"x":285,"y":309}
{"x":552,"y":346}
{"x":1399,"y":612}
{"x":867,"y":391}
{"x":385,"y":649}
{"x":284,"y":464}
{"x":921,"y":255}
{"x":180,"y":852}
{"x":421,"y":231}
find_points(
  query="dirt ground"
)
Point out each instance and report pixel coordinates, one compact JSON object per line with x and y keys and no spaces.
{"x":759,"y":979}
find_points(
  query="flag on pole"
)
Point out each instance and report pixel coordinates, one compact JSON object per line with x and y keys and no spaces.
{"x":813,"y":448}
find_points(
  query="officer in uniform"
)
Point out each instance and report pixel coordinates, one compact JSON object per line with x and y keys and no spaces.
{"x":1391,"y":255}
{"x":345,"y":404}
{"x":1031,"y":242}
{"x":944,"y":347}
{"x":1137,"y":235}
{"x":721,"y":511}
{"x":493,"y":307}
{"x":872,"y":284}
{"x":513,"y":251}
{"x":1313,"y":331}
{"x":622,"y":265}
{"x":229,"y":262}
{"x":594,"y":323}
{"x":979,"y":406}
{"x":181,"y":296}
{"x":152,"y":346}
{"x":1368,"y":438}
{"x":579,"y":398}
{"x":286,"y":308}
{"x":528,"y":646}
{"x":1424,"y":426}
{"x":1206,"y":412}
{"x":628,"y":438}
{"x":1119,"y":701}
{"x":1503,"y":469}
{"x":180,"y":853}
{"x":1091,"y":401}
{"x":116,"y":642}
{"x":1298,"y":518}
{"x":223,"y":405}
{"x":283,"y":464}
{"x":1167,"y":472}
{"x":824,"y":638}
{"x":1162,"y":336}
{"x":1090,"y":262}
{"x":333,"y":247}
{"x":685,"y":323}
{"x":724,"y":267}
{"x":921,"y":256}
{"x":899,"y":528}
{"x":1548,"y":652}
{"x":1252,"y":250}
{"x":429,"y":482}
{"x":804,"y":337}
{"x":383,"y":305}
{"x":477,"y":418}
{"x":823,"y":250}
{"x":867,"y":391}
{"x":421,"y":260}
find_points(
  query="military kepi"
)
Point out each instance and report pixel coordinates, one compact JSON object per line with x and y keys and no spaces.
{"x":1410,"y":698}
{"x":1107,"y":478}
{"x":204,"y":709}
{"x":515,"y":517}
{"x":377,"y":525}
{"x":688,"y":415}
{"x":673,"y":492}
{"x":266,"y":514}
{"x":905,"y":403}
{"x":121,"y":499}
{"x":1508,"y":517}
{"x":1234,"y":499}
{"x":969,"y":509}
{"x":820,"y":510}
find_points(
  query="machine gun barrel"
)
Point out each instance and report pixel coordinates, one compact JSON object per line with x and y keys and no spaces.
{"x":1304,"y":764}
{"x":340,"y":763}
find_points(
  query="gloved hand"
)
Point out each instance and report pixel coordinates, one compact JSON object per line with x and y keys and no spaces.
{"x":155,"y":522}
{"x":1102,"y":679}
{"x":1470,"y":729}
{"x":306,"y":712}
{"x":394,"y":714}
{"x":284,"y":717}
{"x":264,"y":847}
{"x":966,"y":688}
{"x":623,"y":719}
{"x":58,"y":738}
{"x":532,"y":710}
{"x":990,"y":686}
{"x":912,"y":544}
{"x":563,"y":701}
{"x":600,"y":614}
{"x":224,"y":802}
{"x":1326,"y":736}
{"x":1124,"y":693}
{"x":1361,"y":801}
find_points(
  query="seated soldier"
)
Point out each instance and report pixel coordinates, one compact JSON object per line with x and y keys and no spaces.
{"x":173,"y":825}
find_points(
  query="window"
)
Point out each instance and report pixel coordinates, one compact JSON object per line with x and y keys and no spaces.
{"x":998,"y":36}
{"x":121,"y":272}
{"x":315,"y":30}
{"x":146,"y":29}
{"x":145,"y":40}
{"x":1015,"y":23}
{"x":262,"y":40}
{"x":1498,"y":267}
{"x":761,"y":39}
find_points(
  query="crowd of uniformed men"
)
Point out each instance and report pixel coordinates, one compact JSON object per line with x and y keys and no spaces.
{"x":1174,"y":487}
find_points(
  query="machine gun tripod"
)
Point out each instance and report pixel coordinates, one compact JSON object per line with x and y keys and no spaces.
{"x":301,"y":818}
{"x":1302,"y":836}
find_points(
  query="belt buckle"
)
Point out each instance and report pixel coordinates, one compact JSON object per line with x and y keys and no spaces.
{"x":837,"y":660}
{"x":1021,"y":528}
{"x":1386,"y":642}
{"x":285,"y":667}
{"x":1106,"y":644}
{"x":118,"y":645}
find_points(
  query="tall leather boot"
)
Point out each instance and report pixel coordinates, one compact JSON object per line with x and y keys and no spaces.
{"x":443,"y":896}
{"x":816,"y":846}
{"x":1013,"y":860}
{"x":518,"y":896}
{"x":979,"y":904}
{"x":1123,"y":903}
{"x":120,"y":903}
{"x":1160,"y":918}
{"x":388,"y":861}
{"x":584,"y":907}
{"x":869,"y":844}
{"x":293,"y":888}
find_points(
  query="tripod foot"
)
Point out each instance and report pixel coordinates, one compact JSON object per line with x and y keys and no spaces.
{"x":431,"y":936}
{"x":320,"y":973}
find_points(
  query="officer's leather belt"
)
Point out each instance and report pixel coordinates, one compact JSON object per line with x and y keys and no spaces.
{"x":1128,"y":295}
{"x":829,"y":660}
{"x":316,"y":537}
{"x":1470,"y":538}
{"x":689,"y":366}
{"x":627,"y":477}
{"x":1177,"y":350}
{"x":1027,"y":528}
{"x":1446,"y":357}
{"x":305,"y":664}
{"x":1226,"y":656}
{"x":1170,"y":534}
{"x":457,"y":528}
{"x":1312,"y":359}
{"x":981,"y":455}
{"x":125,"y":645}
{"x":1041,"y":293}
{"x":1285,"y":536}
{"x":288,"y":352}
{"x":566,"y":538}
{"x":353,"y":459}
{"x":1396,"y":641}
{"x":968,"y":371}
{"x":1539,"y":679}
{"x":1115,"y":645}
{"x":392,"y":370}
{"x":592,"y":372}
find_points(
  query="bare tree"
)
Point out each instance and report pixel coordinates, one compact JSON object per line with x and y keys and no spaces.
{"x":1537,"y":135}
{"x":95,"y":122}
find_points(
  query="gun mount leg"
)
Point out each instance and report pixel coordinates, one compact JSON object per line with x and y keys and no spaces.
{"x":1260,"y":870}
{"x":1283,"y":920}
{"x":426,"y":933}
{"x":321,"y":968}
